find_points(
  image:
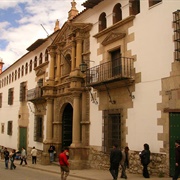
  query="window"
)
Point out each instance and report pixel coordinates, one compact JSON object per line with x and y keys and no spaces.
{"x":0,"y":100}
{"x":35,"y":62}
{"x":40,"y":59}
{"x":112,"y":129}
{"x":0,"y":84}
{"x":22,"y":96}
{"x":46,"y":55}
{"x":102,"y":22}
{"x":153,"y":2}
{"x":9,"y":78}
{"x":12,"y":76}
{"x":117,"y":13}
{"x":10,"y":96}
{"x":26,"y":70}
{"x":30,"y":66}
{"x":38,"y":129}
{"x":22,"y":71}
{"x":15,"y":75}
{"x":2,"y":128}
{"x":19,"y":71}
{"x":134,"y":7}
{"x":9,"y":128}
{"x":176,"y":21}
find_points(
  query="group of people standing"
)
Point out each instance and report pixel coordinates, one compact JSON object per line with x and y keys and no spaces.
{"x":121,"y":158}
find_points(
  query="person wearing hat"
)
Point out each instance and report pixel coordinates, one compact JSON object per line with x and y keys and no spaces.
{"x":177,"y":160}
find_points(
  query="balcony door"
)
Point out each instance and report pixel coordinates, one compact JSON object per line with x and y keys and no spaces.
{"x":116,"y":62}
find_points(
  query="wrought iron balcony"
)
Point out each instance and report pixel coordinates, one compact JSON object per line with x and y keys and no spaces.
{"x":111,"y":71}
{"x":35,"y":94}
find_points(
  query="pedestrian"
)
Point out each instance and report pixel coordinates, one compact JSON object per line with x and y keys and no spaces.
{"x":67,"y":152}
{"x":177,"y":160}
{"x":115,"y":159}
{"x":52,"y":152}
{"x":23,"y":156}
{"x":64,"y":164}
{"x":2,"y":152}
{"x":6,"y":157}
{"x":124,"y":162}
{"x":145,"y":160}
{"x":34,"y":155}
{"x":12,"y":156}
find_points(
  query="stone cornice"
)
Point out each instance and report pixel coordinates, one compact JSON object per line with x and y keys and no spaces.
{"x":112,"y":37}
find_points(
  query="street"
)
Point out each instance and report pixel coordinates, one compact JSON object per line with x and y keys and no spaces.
{"x":25,"y":173}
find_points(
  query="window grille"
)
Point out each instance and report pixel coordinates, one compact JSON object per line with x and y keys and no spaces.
{"x":38,"y":129}
{"x":111,"y":129}
{"x":176,"y":22}
{"x":9,"y":128}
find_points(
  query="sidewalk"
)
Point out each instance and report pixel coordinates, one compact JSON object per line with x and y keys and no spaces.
{"x":88,"y":174}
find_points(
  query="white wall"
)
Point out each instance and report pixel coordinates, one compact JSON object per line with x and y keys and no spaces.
{"x":154,"y":48}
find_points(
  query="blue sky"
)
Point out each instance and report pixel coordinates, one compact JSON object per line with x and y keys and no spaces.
{"x":20,"y":23}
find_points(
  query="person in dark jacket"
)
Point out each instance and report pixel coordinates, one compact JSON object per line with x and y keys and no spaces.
{"x":145,"y":160}
{"x":115,"y":158}
{"x":177,"y":160}
{"x":6,"y":157}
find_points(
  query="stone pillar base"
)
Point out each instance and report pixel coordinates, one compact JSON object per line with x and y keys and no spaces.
{"x":79,"y":158}
{"x":45,"y":159}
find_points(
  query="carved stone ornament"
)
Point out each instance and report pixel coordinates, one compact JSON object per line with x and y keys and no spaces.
{"x":112,"y":37}
{"x":40,"y":72}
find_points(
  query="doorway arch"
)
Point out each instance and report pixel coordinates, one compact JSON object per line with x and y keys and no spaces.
{"x":67,"y":119}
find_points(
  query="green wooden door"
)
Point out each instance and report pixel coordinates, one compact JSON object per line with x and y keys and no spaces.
{"x":174,"y":132}
{"x":22,"y":138}
{"x":67,"y":126}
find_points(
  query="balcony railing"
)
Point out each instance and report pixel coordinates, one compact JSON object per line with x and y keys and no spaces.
{"x":118,"y":69}
{"x":34,"y":94}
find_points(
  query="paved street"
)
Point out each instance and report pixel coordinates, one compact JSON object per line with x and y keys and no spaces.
{"x":52,"y":172}
{"x":26,"y":173}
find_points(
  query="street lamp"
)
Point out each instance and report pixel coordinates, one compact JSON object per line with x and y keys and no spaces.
{"x":83,"y":67}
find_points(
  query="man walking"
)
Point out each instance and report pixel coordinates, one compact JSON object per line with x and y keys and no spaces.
{"x":6,"y":157}
{"x":34,"y":155}
{"x":23,"y":156}
{"x":177,"y":160}
{"x":115,"y":158}
{"x":64,"y":164}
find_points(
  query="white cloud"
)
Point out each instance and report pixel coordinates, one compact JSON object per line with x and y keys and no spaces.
{"x":28,"y":28}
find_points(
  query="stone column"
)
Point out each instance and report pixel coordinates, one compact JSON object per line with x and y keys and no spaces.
{"x":49,"y":125}
{"x":73,"y":54}
{"x":52,"y":62}
{"x":49,"y":136}
{"x":58,"y":75}
{"x":76,"y":120}
{"x":78,"y":52}
{"x":85,"y":120}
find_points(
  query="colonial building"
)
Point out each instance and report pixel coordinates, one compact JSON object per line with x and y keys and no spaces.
{"x":109,"y":74}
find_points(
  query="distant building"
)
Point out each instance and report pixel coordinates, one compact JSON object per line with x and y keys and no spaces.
{"x":111,"y":74}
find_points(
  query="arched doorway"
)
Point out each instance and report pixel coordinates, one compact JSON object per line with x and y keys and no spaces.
{"x":67,"y":126}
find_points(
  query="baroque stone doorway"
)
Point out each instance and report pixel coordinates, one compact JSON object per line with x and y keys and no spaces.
{"x":67,"y":126}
